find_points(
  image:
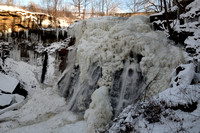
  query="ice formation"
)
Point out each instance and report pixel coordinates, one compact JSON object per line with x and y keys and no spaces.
{"x":99,"y":112}
{"x":123,"y":54}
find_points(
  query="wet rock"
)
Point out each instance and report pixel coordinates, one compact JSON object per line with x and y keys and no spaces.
{"x":190,"y":50}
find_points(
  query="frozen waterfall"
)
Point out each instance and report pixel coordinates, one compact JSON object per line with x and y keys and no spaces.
{"x":125,"y":55}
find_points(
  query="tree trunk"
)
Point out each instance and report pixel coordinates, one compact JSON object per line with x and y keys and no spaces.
{"x":102,"y":7}
{"x":161,"y":5}
{"x":167,"y":19}
{"x":79,"y":9}
{"x":134,"y":5}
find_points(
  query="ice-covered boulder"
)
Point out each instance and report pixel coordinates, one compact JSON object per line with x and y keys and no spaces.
{"x":183,"y":75}
{"x":8,"y":84}
{"x":5,"y":100}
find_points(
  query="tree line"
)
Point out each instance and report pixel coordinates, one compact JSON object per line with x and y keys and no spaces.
{"x":60,"y":8}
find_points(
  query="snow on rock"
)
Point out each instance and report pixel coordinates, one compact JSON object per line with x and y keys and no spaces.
{"x":63,"y":22}
{"x":183,"y":75}
{"x":183,"y":95}
{"x":193,"y":8}
{"x":24,"y":72}
{"x":46,"y":23}
{"x":7,"y":83}
{"x":193,"y":43}
{"x":174,"y":110}
{"x":99,"y":112}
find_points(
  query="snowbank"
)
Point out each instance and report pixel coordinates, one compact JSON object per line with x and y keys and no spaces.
{"x":99,"y":112}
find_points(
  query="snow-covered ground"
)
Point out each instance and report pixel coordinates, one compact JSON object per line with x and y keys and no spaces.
{"x":44,"y":110}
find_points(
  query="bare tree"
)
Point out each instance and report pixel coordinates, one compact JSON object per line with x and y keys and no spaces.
{"x":92,"y":8}
{"x":33,"y":7}
{"x":85,"y":4}
{"x":56,"y":6}
{"x":111,"y":6}
{"x":147,"y":5}
{"x":78,"y":4}
{"x":132,"y":5}
{"x":9,"y":2}
{"x":167,"y":19}
{"x":102,"y":6}
{"x":47,"y":4}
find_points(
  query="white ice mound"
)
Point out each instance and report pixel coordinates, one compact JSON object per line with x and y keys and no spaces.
{"x":183,"y":75}
{"x":110,"y":40}
{"x":99,"y":112}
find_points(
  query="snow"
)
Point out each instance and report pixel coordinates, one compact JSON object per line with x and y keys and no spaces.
{"x":63,"y":22}
{"x":99,"y":112}
{"x":9,"y":8}
{"x":193,"y":41}
{"x":8,"y":83}
{"x":46,"y":23}
{"x":24,"y":72}
{"x":54,"y":47}
{"x":160,"y":13}
{"x":6,"y":99}
{"x":193,"y":8}
{"x":185,"y":76}
{"x":160,"y":115}
{"x":43,"y":111}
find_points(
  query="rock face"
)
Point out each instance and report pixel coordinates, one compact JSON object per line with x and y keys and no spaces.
{"x":20,"y":23}
{"x":15,"y":19}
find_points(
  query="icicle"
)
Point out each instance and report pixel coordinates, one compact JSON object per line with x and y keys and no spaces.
{"x":63,"y":32}
{"x":5,"y":35}
{"x":26,"y":31}
{"x":57,"y":33}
